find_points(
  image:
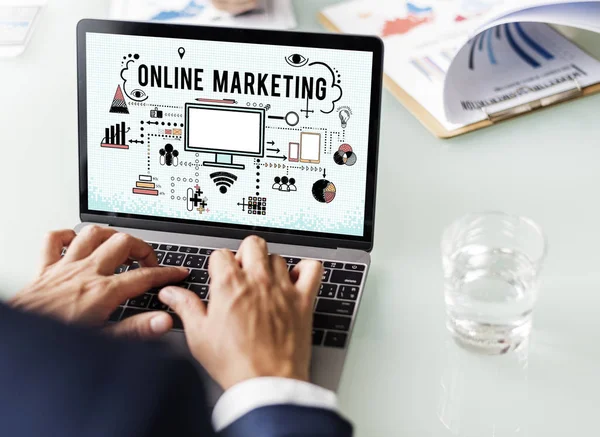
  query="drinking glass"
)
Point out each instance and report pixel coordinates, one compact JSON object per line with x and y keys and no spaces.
{"x":491,"y":262}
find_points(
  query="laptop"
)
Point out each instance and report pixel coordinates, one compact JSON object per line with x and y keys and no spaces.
{"x":193,"y":138}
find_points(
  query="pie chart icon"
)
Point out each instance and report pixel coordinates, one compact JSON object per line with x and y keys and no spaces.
{"x":323,"y":191}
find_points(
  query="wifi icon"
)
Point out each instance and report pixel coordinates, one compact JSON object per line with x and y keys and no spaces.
{"x":223,"y":180}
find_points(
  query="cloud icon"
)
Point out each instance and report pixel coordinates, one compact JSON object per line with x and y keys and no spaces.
{"x":131,"y":85}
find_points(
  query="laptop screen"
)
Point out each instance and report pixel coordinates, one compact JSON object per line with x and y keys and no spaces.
{"x":245,"y":135}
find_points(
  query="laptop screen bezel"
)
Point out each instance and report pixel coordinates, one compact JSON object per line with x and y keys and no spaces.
{"x":370,"y":44}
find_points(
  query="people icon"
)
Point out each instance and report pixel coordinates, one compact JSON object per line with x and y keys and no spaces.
{"x":277,"y":184}
{"x":285,"y":184}
{"x":169,"y":156}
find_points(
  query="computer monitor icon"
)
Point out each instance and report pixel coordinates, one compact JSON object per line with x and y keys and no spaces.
{"x":225,"y":131}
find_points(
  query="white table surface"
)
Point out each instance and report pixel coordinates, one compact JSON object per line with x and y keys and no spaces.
{"x":403,"y":376}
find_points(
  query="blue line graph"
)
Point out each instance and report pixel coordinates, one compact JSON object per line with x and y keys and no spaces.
{"x":518,"y":50}
{"x":535,"y":46}
{"x":490,"y":50}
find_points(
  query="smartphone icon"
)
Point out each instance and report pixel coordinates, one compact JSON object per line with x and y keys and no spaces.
{"x":294,"y":152}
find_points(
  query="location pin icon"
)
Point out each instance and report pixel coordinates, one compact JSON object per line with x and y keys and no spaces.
{"x":181,"y":52}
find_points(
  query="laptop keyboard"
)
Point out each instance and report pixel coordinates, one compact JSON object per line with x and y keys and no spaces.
{"x":334,"y":307}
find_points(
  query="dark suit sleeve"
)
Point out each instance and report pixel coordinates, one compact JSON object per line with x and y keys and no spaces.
{"x":71,"y":382}
{"x":289,"y":421}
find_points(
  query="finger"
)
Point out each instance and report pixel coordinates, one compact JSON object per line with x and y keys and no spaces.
{"x":54,"y":244}
{"x":87,"y":241}
{"x":254,"y":257}
{"x":143,"y":326}
{"x":133,"y":283}
{"x":186,"y":305}
{"x":308,"y":275}
{"x":280,"y":271}
{"x":222,"y":267}
{"x":120,"y":248}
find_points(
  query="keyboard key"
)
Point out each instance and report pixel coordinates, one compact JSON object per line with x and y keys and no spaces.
{"x":206,"y":251}
{"x":333,"y":265}
{"x":121,"y":269}
{"x":326,"y":321}
{"x":140,"y":301}
{"x":194,"y":261}
{"x":349,"y":293}
{"x":198,"y":277}
{"x":327,"y":290}
{"x":130,"y":312}
{"x":317,"y":337}
{"x":200,"y":290}
{"x":174,"y":259}
{"x":169,"y":247}
{"x":355,"y":267}
{"x":153,"y":245}
{"x":157,"y":305}
{"x":335,"y":307}
{"x":335,"y":339}
{"x":346,"y":277}
{"x":326,"y":275}
{"x":155,"y":290}
{"x":291,"y":261}
{"x":116,"y":315}
{"x":134,"y":265}
{"x":177,"y":323}
{"x":188,"y":249}
{"x":159,"y":256}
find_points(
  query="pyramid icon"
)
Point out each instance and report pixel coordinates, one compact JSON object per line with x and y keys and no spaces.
{"x":118,"y":105}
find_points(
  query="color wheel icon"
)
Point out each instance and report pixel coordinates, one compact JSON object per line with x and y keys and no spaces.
{"x":323,"y":191}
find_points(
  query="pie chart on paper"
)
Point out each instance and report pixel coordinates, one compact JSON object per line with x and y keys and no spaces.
{"x":323,"y":191}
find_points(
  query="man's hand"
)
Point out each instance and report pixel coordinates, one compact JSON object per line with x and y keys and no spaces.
{"x":81,"y":286}
{"x":259,"y":321}
{"x":235,"y":7}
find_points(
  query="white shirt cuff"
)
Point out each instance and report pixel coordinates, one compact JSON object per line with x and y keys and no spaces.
{"x":255,"y":393}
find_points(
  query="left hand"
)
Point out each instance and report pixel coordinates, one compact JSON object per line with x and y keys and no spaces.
{"x":81,"y":286}
{"x":235,"y":7}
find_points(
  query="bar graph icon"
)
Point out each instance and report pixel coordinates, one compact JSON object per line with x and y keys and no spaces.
{"x":145,"y":186}
{"x":114,"y":137}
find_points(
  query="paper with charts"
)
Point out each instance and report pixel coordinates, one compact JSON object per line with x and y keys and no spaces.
{"x":270,"y":14}
{"x":462,"y":59}
{"x":231,"y":133}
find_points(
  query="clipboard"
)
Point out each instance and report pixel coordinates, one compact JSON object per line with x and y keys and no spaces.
{"x":436,"y":128}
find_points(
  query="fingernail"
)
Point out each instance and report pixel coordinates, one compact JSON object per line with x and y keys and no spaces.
{"x":160,"y":324}
{"x":167,"y":295}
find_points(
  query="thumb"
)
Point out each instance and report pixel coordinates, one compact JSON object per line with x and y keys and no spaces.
{"x":143,"y":326}
{"x":186,"y":304}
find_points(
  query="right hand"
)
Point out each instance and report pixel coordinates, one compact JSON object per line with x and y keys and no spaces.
{"x":259,"y":321}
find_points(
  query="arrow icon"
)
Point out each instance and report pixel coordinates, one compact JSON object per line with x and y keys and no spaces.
{"x":278,"y":157}
{"x":152,"y":122}
{"x":272,"y":143}
{"x":136,"y":141}
{"x":325,"y":173}
{"x":274,"y":150}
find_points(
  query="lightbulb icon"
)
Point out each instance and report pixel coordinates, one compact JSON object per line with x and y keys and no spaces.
{"x":344,"y":117}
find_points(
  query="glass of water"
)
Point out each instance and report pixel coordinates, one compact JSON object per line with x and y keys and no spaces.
{"x":491,"y":264}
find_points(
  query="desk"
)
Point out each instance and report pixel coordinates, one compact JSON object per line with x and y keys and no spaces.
{"x":403,"y":377}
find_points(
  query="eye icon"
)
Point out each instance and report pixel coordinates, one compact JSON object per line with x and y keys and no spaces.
{"x":138,"y":95}
{"x":296,"y":60}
